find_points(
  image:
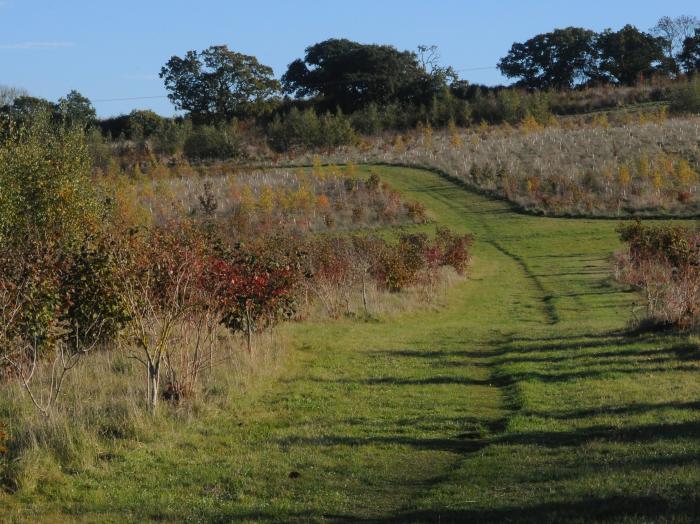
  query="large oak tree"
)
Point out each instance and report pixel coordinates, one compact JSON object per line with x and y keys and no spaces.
{"x":560,"y":59}
{"x":350,"y":75}
{"x":690,"y":56}
{"x":629,"y":54}
{"x":219,"y":84}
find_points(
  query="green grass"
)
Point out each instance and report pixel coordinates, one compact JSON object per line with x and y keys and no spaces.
{"x":525,"y":397}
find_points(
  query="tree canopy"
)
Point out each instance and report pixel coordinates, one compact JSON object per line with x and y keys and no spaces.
{"x":351,"y":75}
{"x":76,"y":109}
{"x":690,"y":56}
{"x":71,"y":110}
{"x":218,"y":83}
{"x":628,"y":54}
{"x":674,"y":32}
{"x":573,"y":56}
{"x":27,"y":109}
{"x":556,"y":60}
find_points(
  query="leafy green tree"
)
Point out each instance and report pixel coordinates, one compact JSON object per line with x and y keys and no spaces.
{"x":431,"y":85}
{"x":219,"y":84}
{"x":690,"y":56}
{"x":628,"y":54}
{"x":45,"y":187}
{"x":27,"y":109}
{"x":368,"y":120}
{"x":76,"y":109}
{"x":351,"y":75}
{"x":674,"y":32}
{"x":295,"y":129}
{"x":170,"y":137}
{"x":49,"y":211}
{"x":144,"y":123}
{"x":335,"y":130}
{"x":560,"y":59}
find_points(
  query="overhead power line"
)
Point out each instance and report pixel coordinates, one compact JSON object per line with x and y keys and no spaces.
{"x":475,"y":69}
{"x":320,"y":84}
{"x":129,"y":98}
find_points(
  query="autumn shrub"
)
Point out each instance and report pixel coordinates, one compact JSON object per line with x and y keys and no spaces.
{"x":338,"y":268}
{"x":403,"y":265}
{"x":256,"y":286}
{"x":415,"y":259}
{"x":329,"y":271}
{"x":664,"y":262}
{"x":268,"y":201}
{"x":416,"y":212}
{"x":161,"y":272}
{"x":49,"y":217}
{"x":453,"y":249}
{"x":3,"y":440}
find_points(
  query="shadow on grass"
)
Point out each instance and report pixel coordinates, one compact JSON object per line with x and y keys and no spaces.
{"x":617,"y":508}
{"x":613,"y":508}
{"x":396,"y":381}
{"x":646,"y":434}
{"x":462,"y":444}
{"x":634,"y":409}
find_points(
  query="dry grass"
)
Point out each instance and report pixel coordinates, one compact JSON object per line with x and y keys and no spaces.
{"x":385,"y":305}
{"x":647,"y":165}
{"x":103,"y":406}
{"x":250,"y":201}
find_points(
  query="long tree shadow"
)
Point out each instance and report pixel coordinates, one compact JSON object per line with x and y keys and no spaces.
{"x":623,"y":411}
{"x":592,"y":509}
{"x":461,"y":443}
{"x":632,"y":434}
{"x":398,"y":381}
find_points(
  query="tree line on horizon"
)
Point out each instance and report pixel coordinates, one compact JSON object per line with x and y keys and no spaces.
{"x":340,"y":88}
{"x":575,"y":56}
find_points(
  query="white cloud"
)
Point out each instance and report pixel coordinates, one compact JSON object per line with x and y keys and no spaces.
{"x":37,"y":45}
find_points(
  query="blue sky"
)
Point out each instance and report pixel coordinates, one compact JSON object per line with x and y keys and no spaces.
{"x":115,"y":49}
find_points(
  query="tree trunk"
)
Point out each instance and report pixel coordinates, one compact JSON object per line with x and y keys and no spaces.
{"x":364,"y":293}
{"x":153,"y":379}
{"x":249,"y":330}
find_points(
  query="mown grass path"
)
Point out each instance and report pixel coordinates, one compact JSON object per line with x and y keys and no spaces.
{"x":522,"y":398}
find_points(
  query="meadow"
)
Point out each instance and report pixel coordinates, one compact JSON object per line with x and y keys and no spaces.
{"x":611,"y":164}
{"x":366,"y":289}
{"x":523,"y":394}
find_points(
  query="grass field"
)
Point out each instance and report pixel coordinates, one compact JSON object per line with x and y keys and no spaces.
{"x":523,"y":397}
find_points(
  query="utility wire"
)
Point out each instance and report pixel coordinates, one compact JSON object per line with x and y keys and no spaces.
{"x":320,"y":84}
{"x":475,"y":69}
{"x":129,"y":98}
